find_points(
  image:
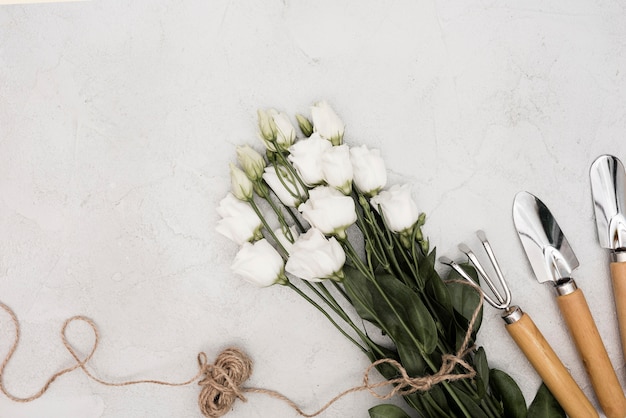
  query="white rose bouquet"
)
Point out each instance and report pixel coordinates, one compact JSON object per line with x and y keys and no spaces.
{"x":298,"y":212}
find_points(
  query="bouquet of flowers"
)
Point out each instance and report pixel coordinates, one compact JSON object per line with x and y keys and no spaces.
{"x":316,"y":215}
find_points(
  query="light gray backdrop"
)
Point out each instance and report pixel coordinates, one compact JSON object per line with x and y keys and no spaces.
{"x":118,"y":120}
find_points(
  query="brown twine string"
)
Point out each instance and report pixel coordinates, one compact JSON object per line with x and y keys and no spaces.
{"x":221,"y":382}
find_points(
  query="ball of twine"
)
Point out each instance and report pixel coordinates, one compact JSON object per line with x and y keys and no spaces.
{"x":221,"y":382}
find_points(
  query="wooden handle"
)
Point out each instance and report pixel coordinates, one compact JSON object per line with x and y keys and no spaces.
{"x":618,"y":274}
{"x":554,"y":374}
{"x":593,"y":353}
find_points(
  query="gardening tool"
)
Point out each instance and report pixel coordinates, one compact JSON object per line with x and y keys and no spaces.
{"x":608,"y":187}
{"x":527,"y":336}
{"x":553,"y":260}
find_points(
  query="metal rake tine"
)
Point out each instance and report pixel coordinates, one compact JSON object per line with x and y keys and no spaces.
{"x":496,"y":266}
{"x":458,"y":269}
{"x":472,"y":257}
{"x":463,"y":273}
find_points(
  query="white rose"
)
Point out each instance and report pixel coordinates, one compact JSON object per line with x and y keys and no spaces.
{"x":327,"y":123}
{"x":315,"y":258}
{"x":329,"y":211}
{"x":370,"y":173}
{"x":397,"y":206}
{"x":239,"y":221}
{"x":267,"y":129}
{"x":240,"y":183}
{"x":284,"y":240}
{"x":285,"y":131}
{"x":337,"y":168}
{"x":251,"y":162}
{"x":286,"y":187}
{"x":259,"y":263}
{"x":305,"y":125}
{"x":306,"y":157}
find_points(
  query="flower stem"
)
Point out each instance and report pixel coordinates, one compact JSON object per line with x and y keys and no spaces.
{"x":356,"y":260}
{"x":392,"y":242}
{"x":414,"y":254}
{"x":266,"y":196}
{"x":408,"y":331}
{"x":487,"y":408}
{"x":342,"y":292}
{"x":379,"y":253}
{"x":412,"y":267}
{"x":279,"y":213}
{"x":434,"y":404}
{"x":329,"y":299}
{"x":326,"y":314}
{"x":365,"y":217}
{"x":283,"y":177}
{"x":297,"y":221}
{"x":267,"y":227}
{"x":289,"y":167}
{"x":385,"y":241}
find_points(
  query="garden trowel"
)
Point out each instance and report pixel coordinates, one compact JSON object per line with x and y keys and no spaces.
{"x":553,"y":260}
{"x":526,"y":335}
{"x":608,"y":188}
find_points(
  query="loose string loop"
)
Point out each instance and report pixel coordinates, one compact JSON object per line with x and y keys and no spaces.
{"x":222,"y":381}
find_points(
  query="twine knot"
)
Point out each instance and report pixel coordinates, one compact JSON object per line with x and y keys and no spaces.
{"x":406,"y":385}
{"x":222,"y":380}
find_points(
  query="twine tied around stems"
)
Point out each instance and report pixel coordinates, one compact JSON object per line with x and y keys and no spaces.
{"x":222,"y":381}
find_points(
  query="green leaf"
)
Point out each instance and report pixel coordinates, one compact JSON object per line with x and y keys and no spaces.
{"x":507,"y":391}
{"x":426,"y":264}
{"x":469,"y":404}
{"x":387,"y":411}
{"x":393,"y":307}
{"x":465,"y":299}
{"x":424,"y":403}
{"x":402,"y":313}
{"x":379,"y":352}
{"x":439,"y":401}
{"x":440,"y":305}
{"x":358,"y":288}
{"x":409,"y":312}
{"x":437,"y":292}
{"x":438,"y":300}
{"x":415,"y":402}
{"x":411,"y":359}
{"x":545,"y":405}
{"x":482,"y":368}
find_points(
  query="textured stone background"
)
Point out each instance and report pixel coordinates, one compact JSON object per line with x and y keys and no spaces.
{"x":118,"y":119}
